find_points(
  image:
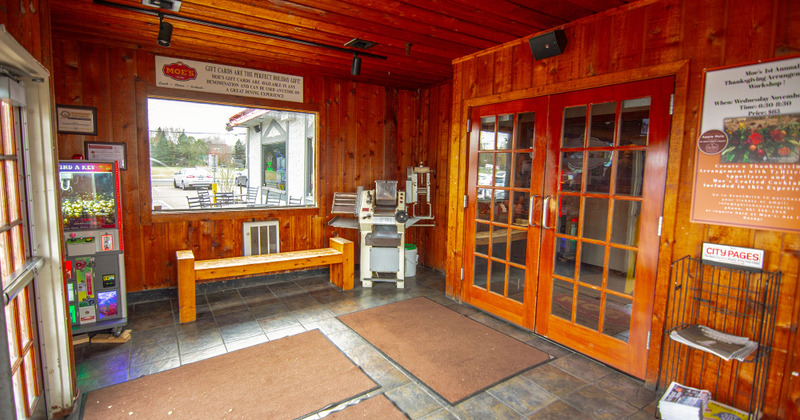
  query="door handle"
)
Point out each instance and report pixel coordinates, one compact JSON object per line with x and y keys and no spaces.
{"x":530,"y":210}
{"x":545,"y":208}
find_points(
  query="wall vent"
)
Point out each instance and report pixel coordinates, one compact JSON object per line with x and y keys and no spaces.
{"x":261,"y":237}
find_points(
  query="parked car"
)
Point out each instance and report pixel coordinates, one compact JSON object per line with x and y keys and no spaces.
{"x":191,"y":177}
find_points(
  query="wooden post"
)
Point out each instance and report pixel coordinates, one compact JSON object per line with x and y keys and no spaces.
{"x":342,"y":274}
{"x":186,"y":286}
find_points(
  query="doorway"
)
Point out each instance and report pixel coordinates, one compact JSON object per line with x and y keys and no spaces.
{"x":565,"y":196}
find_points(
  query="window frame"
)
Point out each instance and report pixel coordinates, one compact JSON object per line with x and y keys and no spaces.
{"x":154,"y":92}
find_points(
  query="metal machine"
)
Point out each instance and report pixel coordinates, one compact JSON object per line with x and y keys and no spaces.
{"x":94,"y":265}
{"x":382,"y":219}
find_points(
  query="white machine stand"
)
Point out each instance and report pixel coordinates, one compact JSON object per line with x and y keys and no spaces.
{"x":381,"y":218}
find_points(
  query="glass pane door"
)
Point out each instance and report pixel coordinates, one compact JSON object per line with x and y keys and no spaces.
{"x":504,"y":238}
{"x":609,"y":146}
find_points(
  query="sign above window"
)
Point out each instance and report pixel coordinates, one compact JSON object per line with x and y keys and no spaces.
{"x":217,"y":78}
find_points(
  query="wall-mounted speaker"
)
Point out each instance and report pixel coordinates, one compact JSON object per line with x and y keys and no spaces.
{"x":548,"y":45}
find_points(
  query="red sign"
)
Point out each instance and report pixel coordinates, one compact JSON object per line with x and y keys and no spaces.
{"x":179,"y":71}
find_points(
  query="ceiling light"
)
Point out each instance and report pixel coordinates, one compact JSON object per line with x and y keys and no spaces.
{"x":356,"y":70}
{"x":164,"y":32}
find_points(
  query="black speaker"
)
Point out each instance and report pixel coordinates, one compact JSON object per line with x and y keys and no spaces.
{"x":549,"y":44}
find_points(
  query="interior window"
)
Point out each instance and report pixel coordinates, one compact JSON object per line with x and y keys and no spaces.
{"x":209,"y":156}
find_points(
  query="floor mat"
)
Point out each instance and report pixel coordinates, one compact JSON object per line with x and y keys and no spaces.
{"x":452,"y":354}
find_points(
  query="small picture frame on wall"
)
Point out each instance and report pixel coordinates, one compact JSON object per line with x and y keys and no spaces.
{"x":104,"y":151}
{"x":76,"y":120}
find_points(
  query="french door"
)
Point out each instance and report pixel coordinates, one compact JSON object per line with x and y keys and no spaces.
{"x":589,"y":215}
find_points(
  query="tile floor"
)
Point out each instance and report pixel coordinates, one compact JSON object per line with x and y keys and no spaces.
{"x":570,"y":386}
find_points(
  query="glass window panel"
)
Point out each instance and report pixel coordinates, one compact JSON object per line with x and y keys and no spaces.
{"x":571,"y":171}
{"x":574,"y":126}
{"x":617,"y":317}
{"x":482,"y":238}
{"x":17,"y":247}
{"x":274,"y":149}
{"x":22,"y":305}
{"x":630,"y":173}
{"x":522,"y":170}
{"x":599,"y":171}
{"x":525,"y":130}
{"x":592,"y":257}
{"x":18,"y":394}
{"x":587,"y":311}
{"x":568,"y":213}
{"x":485,"y":168}
{"x":480,"y":271}
{"x":13,"y":190}
{"x":603,"y":124}
{"x":487,"y":133}
{"x":484,"y":207}
{"x":505,"y":129}
{"x":501,"y":170}
{"x":519,"y":246}
{"x":634,"y":122}
{"x":625,"y":224}
{"x":595,"y":218}
{"x":521,"y":200}
{"x":30,"y":382}
{"x":5,"y":257}
{"x":11,"y":330}
{"x":564,"y":264}
{"x":497,"y":280}
{"x":562,"y":299}
{"x":621,"y":270}
{"x":516,"y":283}
{"x":502,"y":209}
{"x":499,"y":240}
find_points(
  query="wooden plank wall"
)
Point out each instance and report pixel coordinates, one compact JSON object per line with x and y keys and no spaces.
{"x":366,"y":133}
{"x":700,"y":34}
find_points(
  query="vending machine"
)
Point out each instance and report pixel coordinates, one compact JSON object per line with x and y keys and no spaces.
{"x":94,"y":265}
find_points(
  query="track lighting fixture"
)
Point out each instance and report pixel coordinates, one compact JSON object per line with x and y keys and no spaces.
{"x":164,"y":32}
{"x":356,"y":69}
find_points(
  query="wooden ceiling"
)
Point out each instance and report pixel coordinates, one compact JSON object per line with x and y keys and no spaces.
{"x":419,"y":38}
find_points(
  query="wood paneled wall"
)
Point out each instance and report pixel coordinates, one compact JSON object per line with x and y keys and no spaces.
{"x":642,"y":40}
{"x":366,"y":133}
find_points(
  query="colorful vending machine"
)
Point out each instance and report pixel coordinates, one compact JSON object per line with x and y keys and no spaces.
{"x":94,"y":266}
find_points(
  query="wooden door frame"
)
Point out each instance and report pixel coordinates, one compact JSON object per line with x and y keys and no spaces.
{"x":459,"y":149}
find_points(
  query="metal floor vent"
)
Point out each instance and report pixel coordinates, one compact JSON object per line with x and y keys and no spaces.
{"x":261,"y":237}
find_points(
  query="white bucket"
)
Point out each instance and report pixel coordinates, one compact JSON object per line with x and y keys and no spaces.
{"x":411,"y":260}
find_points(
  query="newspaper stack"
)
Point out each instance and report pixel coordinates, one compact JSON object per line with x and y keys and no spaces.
{"x":682,"y":402}
{"x":726,"y":346}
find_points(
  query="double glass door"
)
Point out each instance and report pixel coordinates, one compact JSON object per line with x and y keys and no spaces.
{"x":565,"y":198}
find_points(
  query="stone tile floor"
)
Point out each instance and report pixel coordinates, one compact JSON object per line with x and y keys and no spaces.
{"x":569,"y":386}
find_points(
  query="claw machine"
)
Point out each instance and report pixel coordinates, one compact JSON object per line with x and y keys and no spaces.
{"x":94,"y":264}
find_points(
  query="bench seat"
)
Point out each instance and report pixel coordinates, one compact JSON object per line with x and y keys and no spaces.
{"x":339,"y":257}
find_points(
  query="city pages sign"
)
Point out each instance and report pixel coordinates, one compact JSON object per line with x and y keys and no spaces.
{"x":228,"y":80}
{"x":733,"y":256}
{"x":747,"y":161}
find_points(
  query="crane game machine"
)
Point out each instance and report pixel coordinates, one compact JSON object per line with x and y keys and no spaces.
{"x":94,"y":266}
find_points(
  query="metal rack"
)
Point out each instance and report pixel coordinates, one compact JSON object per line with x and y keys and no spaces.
{"x":730,"y":300}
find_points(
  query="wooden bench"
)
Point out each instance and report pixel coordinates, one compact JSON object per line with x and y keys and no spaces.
{"x":339,"y":256}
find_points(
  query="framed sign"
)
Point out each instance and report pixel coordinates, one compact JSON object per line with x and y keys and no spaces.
{"x":107,"y":152}
{"x":747,"y":161}
{"x":76,"y":119}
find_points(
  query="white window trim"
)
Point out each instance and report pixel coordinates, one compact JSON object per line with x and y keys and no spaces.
{"x":54,"y":332}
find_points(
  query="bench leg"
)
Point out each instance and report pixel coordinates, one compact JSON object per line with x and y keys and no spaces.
{"x":186,"y":290}
{"x":342,"y":274}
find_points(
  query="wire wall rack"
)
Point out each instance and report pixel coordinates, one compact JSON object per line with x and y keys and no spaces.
{"x":734,"y":301}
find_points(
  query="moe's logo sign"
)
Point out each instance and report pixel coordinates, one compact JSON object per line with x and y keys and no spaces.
{"x":179,"y":71}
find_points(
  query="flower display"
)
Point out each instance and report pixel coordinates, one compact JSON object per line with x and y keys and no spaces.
{"x":762,"y":140}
